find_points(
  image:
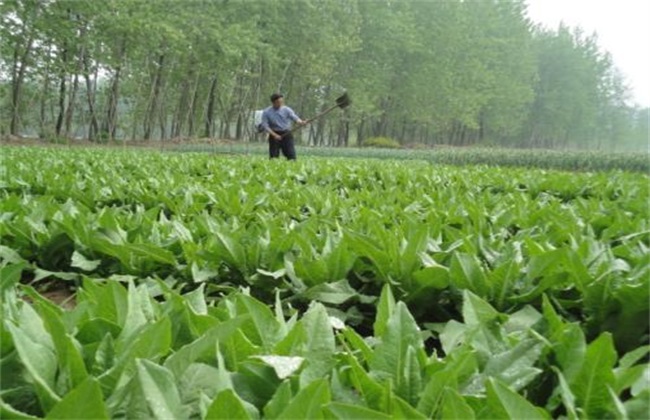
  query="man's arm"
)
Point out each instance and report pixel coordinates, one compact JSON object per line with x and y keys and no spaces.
{"x":295,"y":117}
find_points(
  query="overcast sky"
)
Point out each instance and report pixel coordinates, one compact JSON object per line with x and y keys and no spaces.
{"x":623,"y":29}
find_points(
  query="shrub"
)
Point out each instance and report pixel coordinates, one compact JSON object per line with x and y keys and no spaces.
{"x":382,"y":142}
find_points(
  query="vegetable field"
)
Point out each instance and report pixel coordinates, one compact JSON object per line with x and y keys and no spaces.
{"x":236,"y":287}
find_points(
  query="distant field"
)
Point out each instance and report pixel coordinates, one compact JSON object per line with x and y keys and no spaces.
{"x":547,"y":159}
{"x":358,"y":288}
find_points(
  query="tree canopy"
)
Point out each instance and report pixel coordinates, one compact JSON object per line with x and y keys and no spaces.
{"x":432,"y":72}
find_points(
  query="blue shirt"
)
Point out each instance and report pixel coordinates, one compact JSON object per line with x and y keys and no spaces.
{"x":278,"y":119}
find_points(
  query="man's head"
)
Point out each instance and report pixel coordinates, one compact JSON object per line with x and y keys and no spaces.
{"x":277,"y":100}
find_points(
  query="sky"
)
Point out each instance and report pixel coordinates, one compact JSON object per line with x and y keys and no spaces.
{"x":623,"y":30}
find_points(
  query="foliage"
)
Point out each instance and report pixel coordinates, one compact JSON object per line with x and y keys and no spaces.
{"x":381,"y":142}
{"x":212,"y":287}
{"x":433,"y":72}
{"x":148,"y":351}
{"x":336,"y":231}
{"x":567,"y":160}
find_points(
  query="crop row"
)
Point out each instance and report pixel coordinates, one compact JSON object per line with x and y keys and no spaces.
{"x":148,"y":352}
{"x":568,"y":160}
{"x":336,"y":231}
{"x":236,"y":286}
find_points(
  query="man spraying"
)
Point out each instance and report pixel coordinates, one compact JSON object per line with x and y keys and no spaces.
{"x":277,"y":120}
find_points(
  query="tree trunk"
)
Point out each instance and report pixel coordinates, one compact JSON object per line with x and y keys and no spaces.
{"x":17,"y":79}
{"x":93,"y":129}
{"x":240,"y":127}
{"x":62,"y":88}
{"x":44,"y":95}
{"x":154,"y":99}
{"x":182,"y":107}
{"x":191,"y":116}
{"x":111,"y":112}
{"x":162,"y":119}
{"x":209,"y":118}
{"x":110,"y":125}
{"x":71,"y":104}
{"x":360,"y":131}
{"x":346,"y":128}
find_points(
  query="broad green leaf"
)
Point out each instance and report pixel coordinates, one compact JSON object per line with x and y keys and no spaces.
{"x":70,"y":359}
{"x":319,"y":346}
{"x":453,"y":335}
{"x":412,"y":376}
{"x":104,"y":356}
{"x":427,"y":280}
{"x":630,"y":377}
{"x":372,"y":392}
{"x":39,"y":359}
{"x":522,"y":320}
{"x":8,"y":412}
{"x":458,"y":367}
{"x":238,"y":347}
{"x":152,"y":342}
{"x":109,"y":300}
{"x":85,"y":400}
{"x":506,"y":403}
{"x":95,"y":329}
{"x":634,"y":356}
{"x":188,"y":354}
{"x":397,"y":356}
{"x":403,"y":410}
{"x":570,"y":348}
{"x":294,"y":342}
{"x":228,"y":406}
{"x":476,"y":311}
{"x":515,"y":367}
{"x":255,"y":382}
{"x":555,"y":322}
{"x":159,"y":390}
{"x":465,"y":272}
{"x":342,"y":389}
{"x":135,"y":317}
{"x":432,"y":395}
{"x":40,"y":274}
{"x":262,"y":328}
{"x":10,"y":256}
{"x":201,"y":379}
{"x":642,"y":383}
{"x":80,"y":261}
{"x":279,"y":401}
{"x":568,"y":399}
{"x":357,"y":343}
{"x":619,"y":408}
{"x":344,"y":411}
{"x":308,"y":402}
{"x":385,"y":309}
{"x":335,"y":293}
{"x":196,"y":300}
{"x":543,"y":264}
{"x":637,"y":406}
{"x":201,"y":275}
{"x":634,"y":313}
{"x":284,"y":366}
{"x":10,"y":275}
{"x":455,"y":407}
{"x":150,"y":252}
{"x":591,"y":382}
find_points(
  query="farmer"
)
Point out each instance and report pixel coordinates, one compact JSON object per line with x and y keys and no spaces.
{"x":276,"y":120}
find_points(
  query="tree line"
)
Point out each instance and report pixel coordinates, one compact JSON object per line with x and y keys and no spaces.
{"x":431,"y":72}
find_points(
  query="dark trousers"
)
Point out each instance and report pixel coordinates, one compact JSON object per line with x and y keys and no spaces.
{"x":285,"y":144}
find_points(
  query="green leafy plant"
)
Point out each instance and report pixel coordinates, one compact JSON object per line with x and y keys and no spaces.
{"x":148,"y":351}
